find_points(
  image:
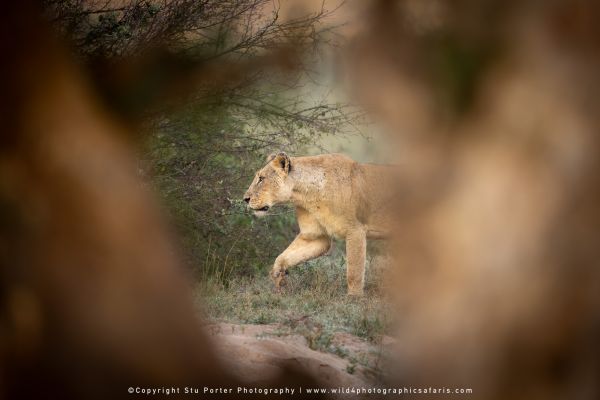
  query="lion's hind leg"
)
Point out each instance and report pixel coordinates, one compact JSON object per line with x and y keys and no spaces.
{"x":356,"y":250}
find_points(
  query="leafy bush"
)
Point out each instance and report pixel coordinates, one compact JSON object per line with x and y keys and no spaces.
{"x":216,"y":90}
{"x":201,"y":179}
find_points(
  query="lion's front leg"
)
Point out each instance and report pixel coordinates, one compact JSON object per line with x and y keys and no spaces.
{"x":303,"y":248}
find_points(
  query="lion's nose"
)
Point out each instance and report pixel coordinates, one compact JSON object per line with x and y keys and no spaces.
{"x":247,"y":199}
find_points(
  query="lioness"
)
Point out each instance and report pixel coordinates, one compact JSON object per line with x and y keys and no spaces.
{"x":335,"y":197}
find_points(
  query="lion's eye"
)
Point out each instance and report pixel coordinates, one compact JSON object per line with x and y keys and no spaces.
{"x":260,"y":179}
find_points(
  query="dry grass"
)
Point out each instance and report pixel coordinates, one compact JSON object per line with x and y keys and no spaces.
{"x":316,"y":292}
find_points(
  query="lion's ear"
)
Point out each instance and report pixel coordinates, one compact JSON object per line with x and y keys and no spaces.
{"x":282,"y":161}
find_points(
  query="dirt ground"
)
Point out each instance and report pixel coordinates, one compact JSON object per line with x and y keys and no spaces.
{"x":256,"y":353}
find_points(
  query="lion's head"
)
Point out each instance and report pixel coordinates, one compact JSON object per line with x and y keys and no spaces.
{"x":270,"y":185}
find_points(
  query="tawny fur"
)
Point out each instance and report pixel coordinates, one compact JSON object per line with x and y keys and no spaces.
{"x":335,"y":197}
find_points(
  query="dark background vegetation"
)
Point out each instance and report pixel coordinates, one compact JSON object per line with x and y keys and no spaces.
{"x":201,"y":150}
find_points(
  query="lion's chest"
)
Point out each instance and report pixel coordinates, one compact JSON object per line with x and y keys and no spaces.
{"x":336,"y":224}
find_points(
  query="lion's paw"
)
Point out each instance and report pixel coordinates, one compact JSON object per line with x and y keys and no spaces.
{"x":279,"y":276}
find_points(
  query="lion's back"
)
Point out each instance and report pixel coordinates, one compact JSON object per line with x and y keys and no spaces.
{"x":351,"y":192}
